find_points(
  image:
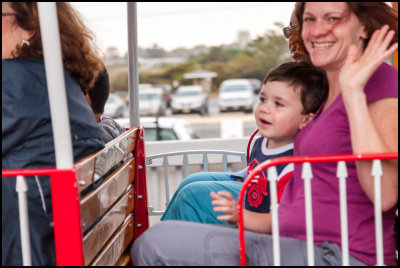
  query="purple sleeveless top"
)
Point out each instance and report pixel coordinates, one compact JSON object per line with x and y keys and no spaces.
{"x":328,"y":133}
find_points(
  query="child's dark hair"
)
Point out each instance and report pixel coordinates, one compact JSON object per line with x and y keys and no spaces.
{"x":99,"y":93}
{"x":311,"y":81}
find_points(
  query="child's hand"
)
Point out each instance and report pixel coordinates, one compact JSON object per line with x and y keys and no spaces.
{"x":224,"y":202}
{"x":358,"y":70}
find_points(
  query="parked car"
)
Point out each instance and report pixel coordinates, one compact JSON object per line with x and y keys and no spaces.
{"x":190,"y":98}
{"x":236,"y":94}
{"x":151,"y":101}
{"x":115,"y":107}
{"x":163,"y":128}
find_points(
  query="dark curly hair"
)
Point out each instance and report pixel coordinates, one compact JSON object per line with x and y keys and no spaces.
{"x":79,"y":53}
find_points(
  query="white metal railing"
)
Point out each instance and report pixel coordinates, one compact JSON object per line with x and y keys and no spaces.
{"x":307,"y":176}
{"x":183,"y":160}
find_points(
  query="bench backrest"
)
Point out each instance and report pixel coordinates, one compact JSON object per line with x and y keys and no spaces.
{"x":107,"y":192}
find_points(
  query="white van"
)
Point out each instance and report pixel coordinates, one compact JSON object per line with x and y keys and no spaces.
{"x":236,"y":94}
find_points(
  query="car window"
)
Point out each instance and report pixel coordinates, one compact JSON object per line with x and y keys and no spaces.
{"x":232,"y":88}
{"x":150,"y":134}
{"x":187,"y":93}
{"x":149,"y":97}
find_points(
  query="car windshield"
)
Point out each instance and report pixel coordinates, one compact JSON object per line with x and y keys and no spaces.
{"x":110,"y":100}
{"x":150,"y":134}
{"x":149,"y":96}
{"x":232,"y":88}
{"x":187,"y":93}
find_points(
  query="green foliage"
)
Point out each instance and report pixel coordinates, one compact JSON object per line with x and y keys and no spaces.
{"x":254,"y":61}
{"x":119,"y":81}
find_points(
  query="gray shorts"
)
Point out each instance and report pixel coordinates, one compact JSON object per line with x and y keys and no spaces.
{"x":189,"y":243}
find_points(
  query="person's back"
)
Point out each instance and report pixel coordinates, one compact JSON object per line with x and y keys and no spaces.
{"x":27,"y":142}
{"x":27,"y":136}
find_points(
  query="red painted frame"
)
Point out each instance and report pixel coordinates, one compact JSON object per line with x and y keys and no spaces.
{"x":141,"y":212}
{"x":295,"y":159}
{"x":65,"y":198}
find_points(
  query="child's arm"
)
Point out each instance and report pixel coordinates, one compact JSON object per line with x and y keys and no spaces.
{"x":224,"y":202}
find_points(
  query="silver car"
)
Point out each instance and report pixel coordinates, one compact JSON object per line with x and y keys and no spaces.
{"x":190,"y":98}
{"x":152,"y":102}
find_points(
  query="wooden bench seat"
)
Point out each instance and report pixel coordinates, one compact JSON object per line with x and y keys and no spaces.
{"x":107,"y":199}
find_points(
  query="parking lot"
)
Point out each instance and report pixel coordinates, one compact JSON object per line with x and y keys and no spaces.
{"x":210,"y":124}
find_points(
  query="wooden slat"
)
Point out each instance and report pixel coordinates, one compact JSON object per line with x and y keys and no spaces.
{"x":99,"y":235}
{"x":96,"y":203}
{"x":117,"y":245}
{"x":124,"y":260}
{"x":94,"y":166}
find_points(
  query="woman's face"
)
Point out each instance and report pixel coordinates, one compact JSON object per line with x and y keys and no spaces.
{"x":329,"y":29}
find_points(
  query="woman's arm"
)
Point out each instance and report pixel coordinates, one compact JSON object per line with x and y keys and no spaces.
{"x":373,"y":126}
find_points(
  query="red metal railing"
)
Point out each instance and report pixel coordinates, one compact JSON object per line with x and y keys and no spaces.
{"x":66,"y":212}
{"x":249,"y":144}
{"x":295,"y":159}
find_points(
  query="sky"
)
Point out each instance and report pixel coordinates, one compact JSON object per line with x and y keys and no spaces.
{"x":171,"y":24}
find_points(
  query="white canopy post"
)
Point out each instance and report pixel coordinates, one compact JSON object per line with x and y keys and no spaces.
{"x":55,"y":84}
{"x":307,"y":176}
{"x":377,"y":174}
{"x":273,"y":178}
{"x":133,"y":73}
{"x":342,"y":175}
{"x":22,"y":188}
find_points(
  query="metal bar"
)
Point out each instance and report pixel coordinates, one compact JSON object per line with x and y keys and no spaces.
{"x":377,"y":173}
{"x":56,"y":84}
{"x":342,"y":175}
{"x":205,"y":162}
{"x":225,"y":162}
{"x":133,"y":72}
{"x":185,"y":165}
{"x":166,"y":181}
{"x":273,"y":178}
{"x":240,"y":154}
{"x":22,"y":188}
{"x":307,"y":176}
{"x":67,"y":226}
{"x":141,"y":212}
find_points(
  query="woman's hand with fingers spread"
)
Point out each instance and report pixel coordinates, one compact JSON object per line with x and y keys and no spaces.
{"x":357,"y":70}
{"x":224,"y":202}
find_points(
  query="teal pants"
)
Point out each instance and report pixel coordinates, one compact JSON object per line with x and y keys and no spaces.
{"x":192,"y":200}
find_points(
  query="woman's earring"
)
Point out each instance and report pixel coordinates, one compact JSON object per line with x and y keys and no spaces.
{"x":25,"y":42}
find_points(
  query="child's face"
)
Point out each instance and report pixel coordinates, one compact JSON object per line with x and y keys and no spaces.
{"x":279,"y":113}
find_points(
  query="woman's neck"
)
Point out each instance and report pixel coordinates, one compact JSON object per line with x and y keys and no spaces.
{"x":334,"y":88}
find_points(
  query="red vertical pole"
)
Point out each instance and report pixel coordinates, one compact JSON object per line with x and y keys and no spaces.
{"x":66,"y":215}
{"x":141,"y":213}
